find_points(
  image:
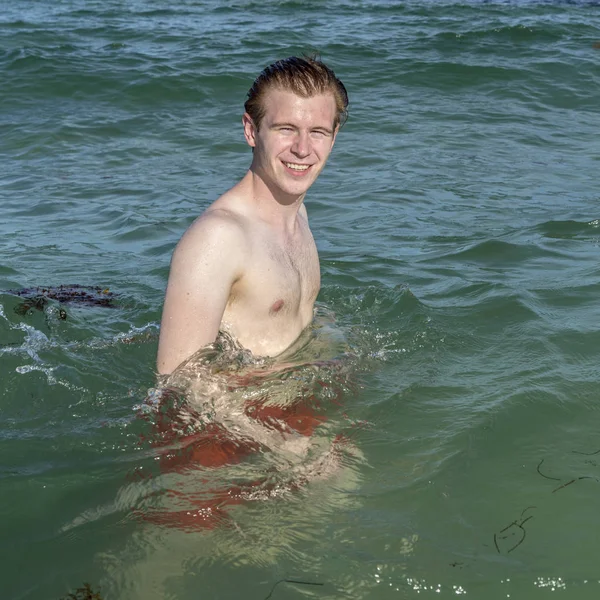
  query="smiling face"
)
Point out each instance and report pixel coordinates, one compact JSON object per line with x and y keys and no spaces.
{"x":294,"y":140}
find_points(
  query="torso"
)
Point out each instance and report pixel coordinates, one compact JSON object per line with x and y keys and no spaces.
{"x":272,"y":302}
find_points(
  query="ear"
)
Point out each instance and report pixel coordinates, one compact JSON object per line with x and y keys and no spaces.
{"x":249,"y":130}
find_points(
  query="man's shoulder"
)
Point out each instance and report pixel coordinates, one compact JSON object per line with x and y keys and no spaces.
{"x":216,"y":223}
{"x":217,"y":230}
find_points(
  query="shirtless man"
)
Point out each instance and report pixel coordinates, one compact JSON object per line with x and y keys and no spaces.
{"x":249,"y":265}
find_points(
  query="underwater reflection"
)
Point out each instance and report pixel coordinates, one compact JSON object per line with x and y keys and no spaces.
{"x":229,"y":428}
{"x":253,"y":455}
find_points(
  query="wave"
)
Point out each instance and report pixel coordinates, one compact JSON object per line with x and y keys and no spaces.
{"x":571,"y":230}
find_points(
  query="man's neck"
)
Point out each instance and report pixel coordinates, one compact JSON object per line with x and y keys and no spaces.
{"x":272,"y":205}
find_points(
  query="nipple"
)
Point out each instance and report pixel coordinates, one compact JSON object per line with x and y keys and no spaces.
{"x":276,"y":307}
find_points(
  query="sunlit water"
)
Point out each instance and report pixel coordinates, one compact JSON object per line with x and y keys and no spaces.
{"x":435,"y":433}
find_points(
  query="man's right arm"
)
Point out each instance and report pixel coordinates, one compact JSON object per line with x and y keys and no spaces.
{"x":206,"y":263}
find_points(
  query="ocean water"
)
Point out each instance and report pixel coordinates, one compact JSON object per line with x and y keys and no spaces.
{"x":450,"y":384}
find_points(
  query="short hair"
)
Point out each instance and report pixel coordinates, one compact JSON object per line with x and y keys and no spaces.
{"x":305,"y":76}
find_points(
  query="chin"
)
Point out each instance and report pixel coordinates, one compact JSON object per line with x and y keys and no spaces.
{"x":296,"y":192}
{"x":299,"y":188}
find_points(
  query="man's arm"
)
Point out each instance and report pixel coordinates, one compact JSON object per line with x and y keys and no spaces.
{"x":205,"y":264}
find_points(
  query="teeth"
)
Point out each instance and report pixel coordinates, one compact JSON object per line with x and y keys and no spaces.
{"x":296,"y":167}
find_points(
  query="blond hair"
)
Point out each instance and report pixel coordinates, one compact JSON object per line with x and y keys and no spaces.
{"x":305,"y":77}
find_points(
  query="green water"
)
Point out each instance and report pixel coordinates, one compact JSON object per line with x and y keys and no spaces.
{"x":458,"y":322}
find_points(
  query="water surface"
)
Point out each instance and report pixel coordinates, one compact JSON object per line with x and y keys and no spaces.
{"x":456,"y":345}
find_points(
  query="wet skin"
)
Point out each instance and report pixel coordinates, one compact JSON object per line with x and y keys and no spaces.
{"x":249,"y":265}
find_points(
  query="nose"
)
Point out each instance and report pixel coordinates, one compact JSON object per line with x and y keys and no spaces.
{"x":301,"y":146}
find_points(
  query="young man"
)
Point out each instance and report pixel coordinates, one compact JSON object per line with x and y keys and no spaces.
{"x":249,"y":265}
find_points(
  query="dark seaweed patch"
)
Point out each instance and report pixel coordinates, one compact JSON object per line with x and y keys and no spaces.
{"x":514,"y":534}
{"x":84,"y":593}
{"x":66,"y":294}
{"x":37,"y":298}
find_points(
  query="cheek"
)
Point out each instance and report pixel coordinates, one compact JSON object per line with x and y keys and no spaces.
{"x":323,"y":147}
{"x":278,"y":148}
{"x":264,"y":151}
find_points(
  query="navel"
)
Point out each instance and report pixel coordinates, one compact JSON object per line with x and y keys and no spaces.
{"x":276,"y":307}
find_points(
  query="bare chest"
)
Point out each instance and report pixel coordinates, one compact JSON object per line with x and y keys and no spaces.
{"x":287,"y":273}
{"x":281,"y":280}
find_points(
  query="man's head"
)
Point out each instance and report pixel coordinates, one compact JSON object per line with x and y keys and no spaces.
{"x":305,"y":77}
{"x":293,"y":113}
